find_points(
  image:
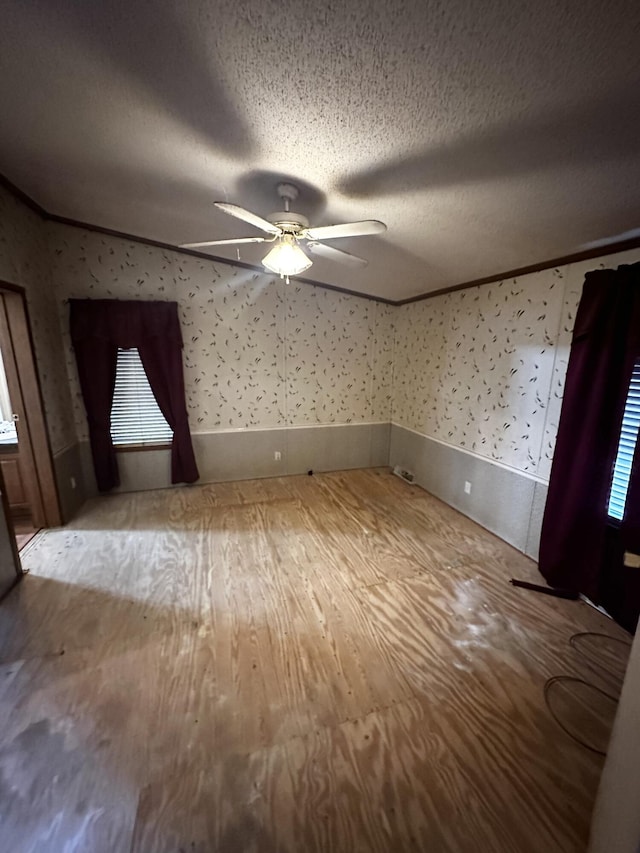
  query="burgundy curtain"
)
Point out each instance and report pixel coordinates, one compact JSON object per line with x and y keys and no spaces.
{"x":96,"y":361}
{"x":98,"y":328}
{"x":163,"y":366}
{"x":605,"y":346}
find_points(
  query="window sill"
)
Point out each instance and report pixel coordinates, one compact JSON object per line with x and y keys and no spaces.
{"x":137,"y":448}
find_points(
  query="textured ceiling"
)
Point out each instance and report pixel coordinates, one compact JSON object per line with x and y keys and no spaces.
{"x":487,"y":134}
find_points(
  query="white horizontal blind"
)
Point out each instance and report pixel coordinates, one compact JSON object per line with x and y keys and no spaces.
{"x":135,"y":416}
{"x":626,"y":448}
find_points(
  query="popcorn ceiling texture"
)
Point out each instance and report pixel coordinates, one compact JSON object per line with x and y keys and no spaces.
{"x":487,"y":135}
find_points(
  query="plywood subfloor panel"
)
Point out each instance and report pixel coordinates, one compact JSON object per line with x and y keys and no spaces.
{"x":327,"y":663}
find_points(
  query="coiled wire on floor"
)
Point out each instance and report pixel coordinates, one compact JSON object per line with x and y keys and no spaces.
{"x":570,"y":679}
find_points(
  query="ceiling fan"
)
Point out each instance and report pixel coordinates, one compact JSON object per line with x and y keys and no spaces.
{"x":288,"y":230}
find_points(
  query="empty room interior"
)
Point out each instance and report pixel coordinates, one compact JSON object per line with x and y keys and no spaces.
{"x":319,"y":405}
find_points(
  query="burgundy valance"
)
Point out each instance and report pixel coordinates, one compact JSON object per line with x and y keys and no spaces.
{"x":124,"y":322}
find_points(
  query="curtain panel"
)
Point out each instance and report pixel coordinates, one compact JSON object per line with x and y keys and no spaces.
{"x":99,"y":327}
{"x":605,"y":346}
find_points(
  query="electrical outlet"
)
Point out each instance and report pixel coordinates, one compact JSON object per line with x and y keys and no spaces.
{"x":467,"y":487}
{"x":277,"y":455}
{"x":72,"y":480}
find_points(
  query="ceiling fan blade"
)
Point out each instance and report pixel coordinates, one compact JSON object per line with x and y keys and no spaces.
{"x":334,"y":254}
{"x":224,"y":242}
{"x":349,"y":229}
{"x":247,"y":216}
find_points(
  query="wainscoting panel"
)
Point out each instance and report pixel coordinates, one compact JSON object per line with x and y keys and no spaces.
{"x":506,"y":502}
{"x":535,"y":523}
{"x":250,"y":454}
{"x":69,"y":469}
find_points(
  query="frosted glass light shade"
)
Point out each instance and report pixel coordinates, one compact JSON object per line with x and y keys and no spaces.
{"x":286,"y":258}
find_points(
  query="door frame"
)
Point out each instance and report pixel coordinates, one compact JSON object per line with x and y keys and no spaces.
{"x":12,"y":540}
{"x":27,"y":462}
{"x":33,"y":425}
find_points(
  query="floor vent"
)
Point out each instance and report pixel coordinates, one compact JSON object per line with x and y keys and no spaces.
{"x":405,"y":475}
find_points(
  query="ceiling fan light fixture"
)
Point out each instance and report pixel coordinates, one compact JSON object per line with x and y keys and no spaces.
{"x":286,"y":258}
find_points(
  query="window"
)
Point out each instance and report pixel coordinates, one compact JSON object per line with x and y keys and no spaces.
{"x":135,"y":416}
{"x":626,"y":448}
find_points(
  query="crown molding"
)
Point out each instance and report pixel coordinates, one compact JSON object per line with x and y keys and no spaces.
{"x":599,"y":252}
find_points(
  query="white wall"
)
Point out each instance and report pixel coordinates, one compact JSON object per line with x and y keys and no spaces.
{"x":616,"y":817}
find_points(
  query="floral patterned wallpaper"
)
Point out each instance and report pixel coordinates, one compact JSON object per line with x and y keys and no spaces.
{"x":483,"y":369}
{"x":24,"y":261}
{"x":258,"y":352}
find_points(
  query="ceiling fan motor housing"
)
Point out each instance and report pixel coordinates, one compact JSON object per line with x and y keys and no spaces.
{"x":290,"y":222}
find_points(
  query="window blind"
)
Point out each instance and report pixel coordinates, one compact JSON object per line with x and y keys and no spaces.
{"x":135,"y":416}
{"x":626,"y":448}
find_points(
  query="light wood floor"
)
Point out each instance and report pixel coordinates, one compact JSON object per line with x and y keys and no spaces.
{"x":327,"y":663}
